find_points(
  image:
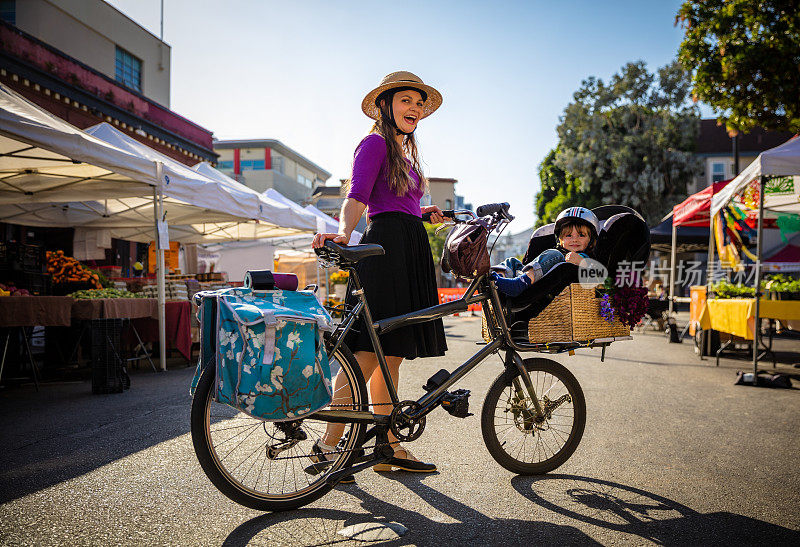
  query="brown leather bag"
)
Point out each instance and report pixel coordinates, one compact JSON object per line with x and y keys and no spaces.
{"x":465,"y":252}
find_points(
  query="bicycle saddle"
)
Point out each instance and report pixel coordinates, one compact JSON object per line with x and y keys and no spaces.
{"x":349,"y":253}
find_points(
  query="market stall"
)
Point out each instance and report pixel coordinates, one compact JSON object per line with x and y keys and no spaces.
{"x":770,"y":185}
{"x":57,"y":175}
{"x":20,"y":312}
{"x":693,"y":212}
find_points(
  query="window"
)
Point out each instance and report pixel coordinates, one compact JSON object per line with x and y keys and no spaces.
{"x":448,"y":204}
{"x":277,"y":164}
{"x":253,"y":165}
{"x":225,"y":165}
{"x":305,"y":181}
{"x":717,"y":172}
{"x":8,"y":11}
{"x":128,"y":70}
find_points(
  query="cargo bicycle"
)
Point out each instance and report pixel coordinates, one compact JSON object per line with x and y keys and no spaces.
{"x":532,"y":418}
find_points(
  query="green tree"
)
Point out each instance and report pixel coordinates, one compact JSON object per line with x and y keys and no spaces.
{"x":436,"y":241}
{"x":744,"y":57}
{"x":559,"y":190}
{"x":631,"y":141}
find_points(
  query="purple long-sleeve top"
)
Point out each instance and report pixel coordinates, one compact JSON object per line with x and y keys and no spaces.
{"x":370,"y":180}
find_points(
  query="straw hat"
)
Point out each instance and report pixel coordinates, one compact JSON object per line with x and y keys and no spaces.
{"x":394,"y":80}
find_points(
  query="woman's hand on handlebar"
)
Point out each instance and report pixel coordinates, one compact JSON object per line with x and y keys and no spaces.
{"x":319,"y":239}
{"x":436,"y":216}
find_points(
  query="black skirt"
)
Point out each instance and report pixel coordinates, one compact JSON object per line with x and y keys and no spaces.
{"x":400,"y":281}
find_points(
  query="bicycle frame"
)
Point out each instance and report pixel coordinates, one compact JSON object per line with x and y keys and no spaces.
{"x":501,"y":340}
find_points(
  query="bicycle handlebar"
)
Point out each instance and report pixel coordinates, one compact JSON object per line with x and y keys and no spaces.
{"x":449,"y":213}
{"x":494,"y":208}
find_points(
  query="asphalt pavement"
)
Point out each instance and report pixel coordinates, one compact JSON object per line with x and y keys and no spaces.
{"x":673,"y":453}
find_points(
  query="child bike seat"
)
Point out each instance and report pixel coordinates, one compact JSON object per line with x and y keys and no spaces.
{"x":624,"y":237}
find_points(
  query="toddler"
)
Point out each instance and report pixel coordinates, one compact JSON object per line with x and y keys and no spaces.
{"x":576,"y":229}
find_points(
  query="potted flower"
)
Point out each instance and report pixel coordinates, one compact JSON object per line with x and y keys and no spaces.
{"x":726,"y":289}
{"x":782,"y":287}
{"x":627,"y":303}
{"x":339,"y":281}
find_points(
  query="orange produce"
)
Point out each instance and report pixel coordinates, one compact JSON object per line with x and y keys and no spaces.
{"x":66,"y":269}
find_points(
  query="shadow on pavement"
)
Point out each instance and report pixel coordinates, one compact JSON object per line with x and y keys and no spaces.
{"x":471,"y":527}
{"x":639,"y":516}
{"x":636,"y":512}
{"x":63,"y":431}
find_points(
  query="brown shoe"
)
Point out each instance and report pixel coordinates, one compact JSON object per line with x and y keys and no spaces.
{"x":408,"y":462}
{"x":319,"y":455}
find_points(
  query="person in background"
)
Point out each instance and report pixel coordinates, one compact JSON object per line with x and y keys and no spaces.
{"x":388,"y":182}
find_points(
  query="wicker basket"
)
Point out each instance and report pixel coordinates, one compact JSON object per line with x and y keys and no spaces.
{"x":574,"y":315}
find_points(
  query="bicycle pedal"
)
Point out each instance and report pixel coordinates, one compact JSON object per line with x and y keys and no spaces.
{"x":436,"y":380}
{"x":456,"y":403}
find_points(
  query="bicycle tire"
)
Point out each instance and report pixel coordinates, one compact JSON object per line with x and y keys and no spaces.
{"x":231,"y":483}
{"x":498,"y":423}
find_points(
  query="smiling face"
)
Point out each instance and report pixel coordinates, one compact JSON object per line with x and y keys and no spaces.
{"x":407,"y":106}
{"x":575,"y":238}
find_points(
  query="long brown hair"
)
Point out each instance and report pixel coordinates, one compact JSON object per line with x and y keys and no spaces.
{"x":400,"y":180}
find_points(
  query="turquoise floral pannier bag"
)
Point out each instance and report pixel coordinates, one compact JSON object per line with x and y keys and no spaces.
{"x":269,"y":351}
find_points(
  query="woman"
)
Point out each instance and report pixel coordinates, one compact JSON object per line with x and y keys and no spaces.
{"x":388,"y":182}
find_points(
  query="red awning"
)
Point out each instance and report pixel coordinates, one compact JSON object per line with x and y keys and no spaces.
{"x":790,"y":253}
{"x":693,"y":211}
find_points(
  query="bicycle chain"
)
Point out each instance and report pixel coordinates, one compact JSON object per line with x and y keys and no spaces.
{"x":342,"y":451}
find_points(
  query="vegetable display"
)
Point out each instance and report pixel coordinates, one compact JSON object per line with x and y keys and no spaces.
{"x":66,"y":269}
{"x":11,"y":290}
{"x":91,"y":294}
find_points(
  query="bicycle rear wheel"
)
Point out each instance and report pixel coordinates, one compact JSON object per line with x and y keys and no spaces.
{"x":513,"y":436}
{"x":266,"y":465}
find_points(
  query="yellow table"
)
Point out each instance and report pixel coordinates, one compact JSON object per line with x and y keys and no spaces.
{"x":737,"y":315}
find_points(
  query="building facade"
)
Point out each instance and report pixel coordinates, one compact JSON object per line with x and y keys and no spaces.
{"x":87,"y":63}
{"x":714,"y":147}
{"x":268,"y":163}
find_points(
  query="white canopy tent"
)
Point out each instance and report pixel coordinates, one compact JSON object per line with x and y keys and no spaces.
{"x":45,"y":159}
{"x":198,"y":208}
{"x":276,"y":211}
{"x":777,"y":195}
{"x":53,"y":174}
{"x":325,"y":223}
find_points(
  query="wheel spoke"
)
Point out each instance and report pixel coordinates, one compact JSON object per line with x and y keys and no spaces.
{"x":237,"y":446}
{"x":521,"y":439}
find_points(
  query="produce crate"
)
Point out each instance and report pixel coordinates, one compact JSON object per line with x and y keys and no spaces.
{"x":574,"y":315}
{"x":111,"y":271}
{"x":108,"y":368}
{"x":38,"y":284}
{"x":22,"y":257}
{"x":63,"y":289}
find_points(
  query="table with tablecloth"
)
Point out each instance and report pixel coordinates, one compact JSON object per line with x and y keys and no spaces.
{"x":114,"y":308}
{"x":29,"y":311}
{"x":737,"y":315}
{"x":144,"y":315}
{"x":18,"y":312}
{"x":177,"y":327}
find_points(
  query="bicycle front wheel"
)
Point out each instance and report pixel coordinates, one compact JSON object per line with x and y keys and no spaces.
{"x":268,"y":466}
{"x":514,"y":437}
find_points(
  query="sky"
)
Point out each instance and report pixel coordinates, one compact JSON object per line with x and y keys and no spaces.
{"x":297,"y":72}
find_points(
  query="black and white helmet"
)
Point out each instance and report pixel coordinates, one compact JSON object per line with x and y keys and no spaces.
{"x":582,"y":214}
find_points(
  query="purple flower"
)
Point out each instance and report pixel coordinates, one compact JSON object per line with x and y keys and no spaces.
{"x":607,"y":308}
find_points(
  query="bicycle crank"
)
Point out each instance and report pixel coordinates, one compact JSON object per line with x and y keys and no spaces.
{"x":402,"y":425}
